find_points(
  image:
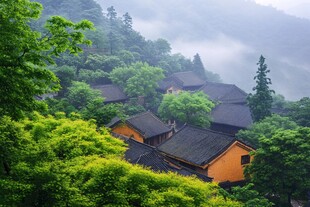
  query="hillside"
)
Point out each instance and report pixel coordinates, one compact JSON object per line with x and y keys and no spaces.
{"x":230,"y":36}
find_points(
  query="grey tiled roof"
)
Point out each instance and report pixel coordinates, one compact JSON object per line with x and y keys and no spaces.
{"x":146,"y":123}
{"x":111,"y":93}
{"x":181,"y":80}
{"x":196,"y":145}
{"x":143,"y":154}
{"x":188,"y":78}
{"x":136,"y":149}
{"x":225,"y":93}
{"x":232,"y":114}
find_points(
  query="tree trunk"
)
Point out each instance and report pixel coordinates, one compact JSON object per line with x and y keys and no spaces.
{"x":6,"y":167}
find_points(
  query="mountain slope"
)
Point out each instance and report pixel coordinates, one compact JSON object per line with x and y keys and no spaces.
{"x":230,"y":36}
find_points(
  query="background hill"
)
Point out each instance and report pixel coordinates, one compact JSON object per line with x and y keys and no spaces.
{"x":230,"y":36}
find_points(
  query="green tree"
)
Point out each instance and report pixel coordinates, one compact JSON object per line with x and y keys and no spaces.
{"x":92,"y":77}
{"x":103,"y":114}
{"x":65,"y":74}
{"x":299,"y":111}
{"x":115,"y":40}
{"x":10,"y":143}
{"x":81,"y":94}
{"x":260,"y":103}
{"x":265,"y":128}
{"x":279,"y":102}
{"x":192,"y":108}
{"x":281,"y":167}
{"x":88,"y":102}
{"x":133,"y":107}
{"x":24,"y":53}
{"x":154,"y":51}
{"x":250,"y":197}
{"x":198,"y":66}
{"x":68,"y":162}
{"x":127,"y":20}
{"x":42,"y":152}
{"x":213,"y":77}
{"x":137,"y":79}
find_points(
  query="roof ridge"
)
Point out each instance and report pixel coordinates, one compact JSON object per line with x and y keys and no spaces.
{"x":141,"y":143}
{"x":210,"y":130}
{"x":157,"y":118}
{"x":189,"y":71}
{"x":137,"y":115}
{"x":105,"y":85}
{"x":148,"y":112}
{"x":242,"y":91}
{"x":216,"y":83}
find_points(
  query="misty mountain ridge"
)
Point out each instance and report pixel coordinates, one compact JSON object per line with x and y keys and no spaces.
{"x":230,"y":36}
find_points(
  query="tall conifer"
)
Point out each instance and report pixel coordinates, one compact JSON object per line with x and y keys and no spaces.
{"x":260,"y":102}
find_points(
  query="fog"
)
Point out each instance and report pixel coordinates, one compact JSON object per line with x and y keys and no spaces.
{"x":299,"y":8}
{"x":225,"y":47}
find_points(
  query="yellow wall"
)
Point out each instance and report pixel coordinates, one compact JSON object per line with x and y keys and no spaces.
{"x":227,"y":166}
{"x":125,"y":130}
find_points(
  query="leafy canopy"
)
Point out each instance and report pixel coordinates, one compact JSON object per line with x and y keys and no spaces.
{"x":24,"y":53}
{"x":138,"y":79}
{"x":192,"y":108}
{"x":266,"y":128}
{"x":281,"y":167}
{"x":86,"y":101}
{"x":299,"y":111}
{"x":56,"y":161}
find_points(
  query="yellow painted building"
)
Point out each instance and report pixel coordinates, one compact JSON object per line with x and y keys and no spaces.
{"x":144,"y":127}
{"x":214,"y":154}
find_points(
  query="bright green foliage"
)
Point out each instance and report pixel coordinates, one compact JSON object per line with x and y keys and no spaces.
{"x":281,"y":167}
{"x":10,"y":143}
{"x":37,"y":152}
{"x":59,"y":105}
{"x":24,"y":54}
{"x":117,"y":183}
{"x":138,"y":79}
{"x":250,"y":197}
{"x":260,"y":103}
{"x":266,"y":128}
{"x":103,"y":114}
{"x":56,"y":161}
{"x":81,"y":94}
{"x":299,"y":111}
{"x":86,"y":101}
{"x":192,"y":108}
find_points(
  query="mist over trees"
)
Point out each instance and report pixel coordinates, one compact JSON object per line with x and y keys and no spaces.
{"x":229,"y":36}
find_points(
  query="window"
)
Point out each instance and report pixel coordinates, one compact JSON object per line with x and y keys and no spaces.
{"x":245,"y":159}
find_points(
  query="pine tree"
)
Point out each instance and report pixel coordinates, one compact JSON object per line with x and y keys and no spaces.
{"x":127,"y":20}
{"x":198,"y":66}
{"x":260,"y":102}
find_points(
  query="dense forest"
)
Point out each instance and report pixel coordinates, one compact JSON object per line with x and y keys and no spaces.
{"x":55,"y":148}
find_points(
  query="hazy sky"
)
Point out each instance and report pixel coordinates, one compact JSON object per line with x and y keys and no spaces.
{"x":294,"y":7}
